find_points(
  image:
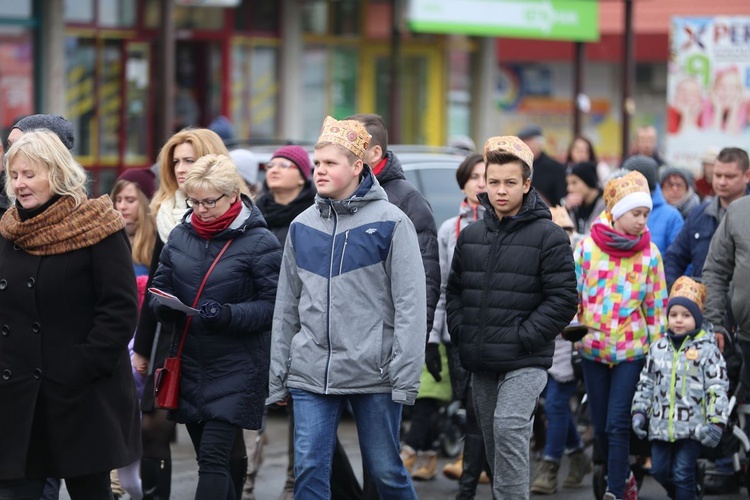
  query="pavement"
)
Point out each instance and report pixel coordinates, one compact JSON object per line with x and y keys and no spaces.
{"x":270,"y":480}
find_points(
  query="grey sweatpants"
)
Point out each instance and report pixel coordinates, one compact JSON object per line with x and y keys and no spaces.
{"x":505,"y":404}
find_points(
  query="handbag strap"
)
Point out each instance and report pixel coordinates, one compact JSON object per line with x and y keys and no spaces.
{"x":198,"y":295}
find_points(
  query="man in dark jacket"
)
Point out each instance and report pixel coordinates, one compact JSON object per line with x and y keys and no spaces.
{"x":511,"y":291}
{"x":404,"y":195}
{"x":687,"y":254}
{"x":549,"y":174}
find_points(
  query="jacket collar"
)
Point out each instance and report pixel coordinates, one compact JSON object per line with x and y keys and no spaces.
{"x":369,"y":189}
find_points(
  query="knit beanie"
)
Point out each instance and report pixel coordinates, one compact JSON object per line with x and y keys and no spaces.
{"x":586,"y":171}
{"x":223,"y":128}
{"x":55,"y":123}
{"x":247,"y":164}
{"x":298,"y":156}
{"x":143,"y":177}
{"x":645,"y":165}
{"x":667,"y":172}
{"x":691,"y":295}
{"x":623,"y":194}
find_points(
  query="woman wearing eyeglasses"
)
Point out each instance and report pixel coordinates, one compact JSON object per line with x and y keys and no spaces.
{"x":176,"y":158}
{"x":226,"y":353}
{"x":288,"y":190}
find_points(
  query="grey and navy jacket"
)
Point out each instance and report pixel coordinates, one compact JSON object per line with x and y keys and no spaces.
{"x":350,"y":307}
{"x":682,"y":389}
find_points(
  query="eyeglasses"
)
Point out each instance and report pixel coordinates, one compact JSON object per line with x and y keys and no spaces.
{"x":206,"y":203}
{"x":281,"y":164}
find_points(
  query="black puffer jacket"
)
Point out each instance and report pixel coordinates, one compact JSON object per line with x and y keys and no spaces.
{"x":511,"y":289}
{"x":406,"y":197}
{"x":224,"y":374}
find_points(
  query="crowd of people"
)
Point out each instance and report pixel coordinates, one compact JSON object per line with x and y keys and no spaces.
{"x":329,"y":286}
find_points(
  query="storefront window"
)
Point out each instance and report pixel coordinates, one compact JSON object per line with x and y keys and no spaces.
{"x":136,"y":97}
{"x":315,"y":92}
{"x":345,"y":17}
{"x":80,"y":60}
{"x":258,"y":16}
{"x":17,"y":9}
{"x":117,"y":13}
{"x":199,"y":18}
{"x":110,"y":103}
{"x":255,"y":92}
{"x":315,"y":17}
{"x":79,"y":11}
{"x":16,"y":76}
{"x":459,"y":93}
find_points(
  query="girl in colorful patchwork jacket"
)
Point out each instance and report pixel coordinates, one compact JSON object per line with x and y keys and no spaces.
{"x":682,"y":393}
{"x":622,"y":295}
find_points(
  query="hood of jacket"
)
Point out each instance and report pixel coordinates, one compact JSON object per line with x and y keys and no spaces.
{"x":369,"y":189}
{"x":248,"y":218}
{"x":657,"y":197}
{"x":392,"y":170}
{"x":532,"y":208}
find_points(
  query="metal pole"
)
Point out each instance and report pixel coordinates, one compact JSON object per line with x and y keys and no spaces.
{"x":628,"y":75}
{"x":580,"y":66}
{"x":394,"y":105}
{"x":166,"y":73}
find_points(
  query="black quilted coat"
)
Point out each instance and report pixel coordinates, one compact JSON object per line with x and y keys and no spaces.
{"x":511,"y":289}
{"x":224,"y":373}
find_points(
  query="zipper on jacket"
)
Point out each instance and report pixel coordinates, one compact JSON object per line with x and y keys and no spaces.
{"x":328,"y":309}
{"x":486,"y":293}
{"x":673,"y":389}
{"x":343,"y":251}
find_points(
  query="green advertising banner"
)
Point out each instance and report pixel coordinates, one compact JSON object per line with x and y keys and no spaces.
{"x":539,"y":19}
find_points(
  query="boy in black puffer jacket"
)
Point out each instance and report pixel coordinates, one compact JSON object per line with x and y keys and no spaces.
{"x":511,"y":290}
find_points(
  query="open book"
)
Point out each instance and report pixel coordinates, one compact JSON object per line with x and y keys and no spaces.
{"x":173,"y":302}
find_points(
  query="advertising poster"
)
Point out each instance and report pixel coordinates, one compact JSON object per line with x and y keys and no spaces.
{"x":708,"y":87}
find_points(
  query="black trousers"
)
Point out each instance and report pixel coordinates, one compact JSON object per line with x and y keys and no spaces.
{"x":213,"y":442}
{"x":89,"y":487}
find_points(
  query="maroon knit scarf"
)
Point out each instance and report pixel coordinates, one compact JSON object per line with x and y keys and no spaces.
{"x":208,"y":230}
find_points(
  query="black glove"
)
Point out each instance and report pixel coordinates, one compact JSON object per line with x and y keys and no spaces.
{"x":167,"y":315}
{"x":215,"y":316}
{"x":433,"y":361}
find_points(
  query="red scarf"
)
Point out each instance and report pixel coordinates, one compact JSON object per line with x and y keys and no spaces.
{"x":380,"y":166}
{"x":618,"y":244}
{"x":208,"y":230}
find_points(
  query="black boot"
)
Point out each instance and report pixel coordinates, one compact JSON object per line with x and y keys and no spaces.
{"x":474,"y":459}
{"x":238,"y":473}
{"x":156,"y":478}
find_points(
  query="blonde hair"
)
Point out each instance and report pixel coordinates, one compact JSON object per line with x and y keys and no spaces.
{"x":144,"y":238}
{"x":203,"y":141}
{"x":44,"y":150}
{"x":217,"y":172}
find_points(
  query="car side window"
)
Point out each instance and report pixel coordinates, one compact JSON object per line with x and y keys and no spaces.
{"x":439,"y":186}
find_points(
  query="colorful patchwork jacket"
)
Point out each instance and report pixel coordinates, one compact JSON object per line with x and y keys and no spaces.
{"x":683,"y":389}
{"x":622,"y":299}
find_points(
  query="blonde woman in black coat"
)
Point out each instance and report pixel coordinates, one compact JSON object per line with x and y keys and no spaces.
{"x":67,"y":311}
{"x":226,"y":353}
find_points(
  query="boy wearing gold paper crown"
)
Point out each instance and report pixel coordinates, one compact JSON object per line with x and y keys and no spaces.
{"x":351,"y":296}
{"x":510,"y":292}
{"x":681,"y":399}
{"x":622,"y":297}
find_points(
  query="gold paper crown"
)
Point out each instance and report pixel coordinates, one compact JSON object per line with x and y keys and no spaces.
{"x":561,"y":218}
{"x":619,"y":188}
{"x":691,"y":290}
{"x":347,"y":133}
{"x":510,"y":144}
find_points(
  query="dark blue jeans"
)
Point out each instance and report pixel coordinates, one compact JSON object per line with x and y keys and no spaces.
{"x":610,"y":392}
{"x":316,"y":420}
{"x":562,"y":432}
{"x":673,"y":465}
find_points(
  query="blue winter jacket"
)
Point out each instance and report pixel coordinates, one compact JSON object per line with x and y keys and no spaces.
{"x":664,"y":222}
{"x":687,"y":253}
{"x":224,"y":373}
